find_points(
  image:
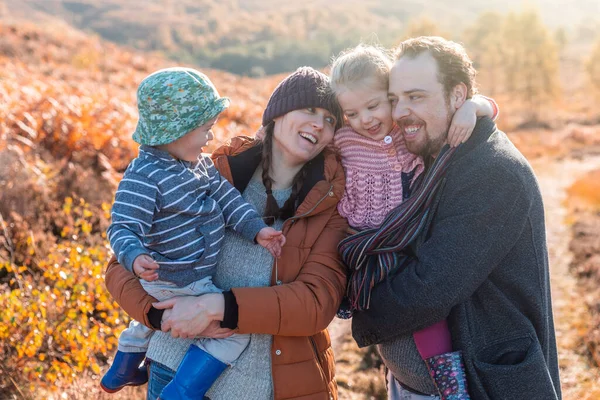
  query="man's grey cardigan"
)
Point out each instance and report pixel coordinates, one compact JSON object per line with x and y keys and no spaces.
{"x":483,"y":264}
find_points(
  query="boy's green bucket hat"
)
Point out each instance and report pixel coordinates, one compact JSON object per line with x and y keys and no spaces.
{"x":174,"y":101}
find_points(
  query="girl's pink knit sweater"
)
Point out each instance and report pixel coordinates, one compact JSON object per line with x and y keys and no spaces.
{"x":373,"y":175}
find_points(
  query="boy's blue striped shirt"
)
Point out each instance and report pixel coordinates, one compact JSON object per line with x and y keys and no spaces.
{"x":176,"y":212}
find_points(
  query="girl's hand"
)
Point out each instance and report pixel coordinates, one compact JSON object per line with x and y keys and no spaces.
{"x":191,"y":315}
{"x":463,"y":123}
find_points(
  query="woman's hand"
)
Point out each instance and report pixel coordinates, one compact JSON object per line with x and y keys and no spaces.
{"x":190,"y":315}
{"x":165,"y":316}
{"x":214,"y":331}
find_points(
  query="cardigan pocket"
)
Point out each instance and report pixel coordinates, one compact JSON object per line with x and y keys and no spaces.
{"x":515,"y":369}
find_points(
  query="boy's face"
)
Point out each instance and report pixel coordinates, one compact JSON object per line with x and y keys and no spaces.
{"x":189,"y":146}
{"x":367,"y":109}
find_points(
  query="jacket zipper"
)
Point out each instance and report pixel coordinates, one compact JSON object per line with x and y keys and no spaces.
{"x":316,"y":351}
{"x":295,"y":217}
{"x":313,"y":207}
{"x":312,"y":341}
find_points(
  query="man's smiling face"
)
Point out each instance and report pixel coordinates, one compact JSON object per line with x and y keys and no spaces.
{"x":420,"y":106}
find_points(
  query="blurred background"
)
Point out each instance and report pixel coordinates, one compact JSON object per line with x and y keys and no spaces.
{"x":68,"y":75}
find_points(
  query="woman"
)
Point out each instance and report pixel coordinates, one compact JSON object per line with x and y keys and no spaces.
{"x":291,"y":178}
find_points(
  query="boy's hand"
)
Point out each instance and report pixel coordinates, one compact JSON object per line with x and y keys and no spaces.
{"x":272,"y":240}
{"x":462,"y":124}
{"x":144,"y":267}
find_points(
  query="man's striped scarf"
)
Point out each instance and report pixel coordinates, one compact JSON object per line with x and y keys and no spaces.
{"x":373,"y":253}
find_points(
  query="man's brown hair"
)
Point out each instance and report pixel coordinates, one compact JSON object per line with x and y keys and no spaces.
{"x":454,"y":65}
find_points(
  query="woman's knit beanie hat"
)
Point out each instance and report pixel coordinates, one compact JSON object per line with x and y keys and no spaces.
{"x":173,"y":102}
{"x":304,"y":88}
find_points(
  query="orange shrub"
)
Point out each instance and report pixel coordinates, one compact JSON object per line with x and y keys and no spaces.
{"x":585,"y":192}
{"x":60,"y":321}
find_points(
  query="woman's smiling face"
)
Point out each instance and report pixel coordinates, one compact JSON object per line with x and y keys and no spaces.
{"x":300,"y":135}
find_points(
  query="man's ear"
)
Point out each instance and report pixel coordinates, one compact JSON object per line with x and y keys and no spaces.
{"x":458,"y":95}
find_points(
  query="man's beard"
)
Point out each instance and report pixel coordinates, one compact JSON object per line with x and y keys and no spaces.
{"x":433,"y":147}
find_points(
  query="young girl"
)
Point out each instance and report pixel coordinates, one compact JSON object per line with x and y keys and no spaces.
{"x":380,"y":173}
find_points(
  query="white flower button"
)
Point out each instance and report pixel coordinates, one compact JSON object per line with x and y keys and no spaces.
{"x":387,"y":139}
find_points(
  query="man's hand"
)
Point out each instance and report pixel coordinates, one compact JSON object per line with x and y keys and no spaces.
{"x":189,"y":315}
{"x":144,"y":267}
{"x":272,"y":240}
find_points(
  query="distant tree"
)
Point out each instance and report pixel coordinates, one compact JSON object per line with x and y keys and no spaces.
{"x":257,"y":72}
{"x":593,"y":67}
{"x":164,"y":37}
{"x":587,"y":30}
{"x":561,"y":39}
{"x":530,"y":59}
{"x":485,"y":44}
{"x":423,"y":26}
{"x":236,"y":61}
{"x":213,"y":24}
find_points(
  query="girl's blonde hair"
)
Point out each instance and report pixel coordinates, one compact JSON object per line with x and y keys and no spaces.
{"x":353,"y":66}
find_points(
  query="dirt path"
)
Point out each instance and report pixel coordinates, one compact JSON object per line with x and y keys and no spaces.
{"x":579,"y":380}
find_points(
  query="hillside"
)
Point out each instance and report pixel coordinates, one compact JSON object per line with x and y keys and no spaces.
{"x":260,"y":37}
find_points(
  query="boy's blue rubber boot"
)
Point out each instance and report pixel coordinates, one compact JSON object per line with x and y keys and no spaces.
{"x":125,"y":371}
{"x":195,"y":375}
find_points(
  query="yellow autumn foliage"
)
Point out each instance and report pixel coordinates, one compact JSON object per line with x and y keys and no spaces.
{"x":60,"y":320}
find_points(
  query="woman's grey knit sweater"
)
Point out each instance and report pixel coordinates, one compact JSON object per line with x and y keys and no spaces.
{"x":250,"y":376}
